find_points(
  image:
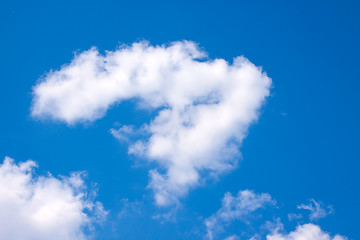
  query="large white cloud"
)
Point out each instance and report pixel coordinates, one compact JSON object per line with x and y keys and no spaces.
{"x":44,"y":207}
{"x":204,"y":106}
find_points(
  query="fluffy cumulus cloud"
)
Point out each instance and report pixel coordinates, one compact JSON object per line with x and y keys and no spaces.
{"x":204,"y":106}
{"x":44,"y":207}
{"x":236,"y":208}
{"x":305,"y":232}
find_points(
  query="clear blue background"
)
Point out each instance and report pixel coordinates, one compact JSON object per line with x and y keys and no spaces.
{"x":305,"y":145}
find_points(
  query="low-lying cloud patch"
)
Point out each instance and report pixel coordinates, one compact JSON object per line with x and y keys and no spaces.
{"x":45,"y":207}
{"x":245,"y":205}
{"x":307,"y":231}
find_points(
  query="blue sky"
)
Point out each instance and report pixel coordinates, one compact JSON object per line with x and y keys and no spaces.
{"x":302,"y":149}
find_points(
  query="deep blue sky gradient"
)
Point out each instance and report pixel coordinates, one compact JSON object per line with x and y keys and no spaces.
{"x":305,"y":144}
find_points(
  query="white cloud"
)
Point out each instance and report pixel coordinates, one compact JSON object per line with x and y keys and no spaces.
{"x":232,"y":237}
{"x":305,"y":232}
{"x":294,"y":216}
{"x":130,"y":208}
{"x":236,"y":208}
{"x":204,"y":106}
{"x":169,"y":216}
{"x":243,"y":206}
{"x":123,"y":133}
{"x":44,"y":207}
{"x":317,"y":210}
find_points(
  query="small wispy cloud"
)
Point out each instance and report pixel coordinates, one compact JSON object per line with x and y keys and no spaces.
{"x":232,"y":237}
{"x":124,"y":133}
{"x":236,"y":208}
{"x":294,"y":216}
{"x":317,"y":209}
{"x":130,"y":208}
{"x":168,"y":216}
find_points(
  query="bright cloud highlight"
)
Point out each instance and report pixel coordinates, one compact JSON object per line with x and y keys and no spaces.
{"x":305,"y":232}
{"x":204,"y":106}
{"x":44,"y":207}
